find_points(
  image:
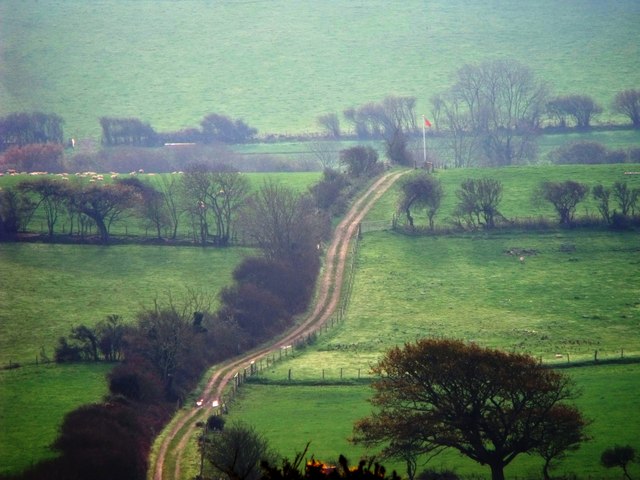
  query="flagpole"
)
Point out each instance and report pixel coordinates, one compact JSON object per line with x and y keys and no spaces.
{"x":424,"y":140}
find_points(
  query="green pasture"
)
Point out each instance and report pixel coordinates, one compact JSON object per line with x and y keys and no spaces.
{"x":278,"y":65}
{"x":47,"y":288}
{"x":33,"y":400}
{"x":575,"y":293}
{"x":291,"y":415}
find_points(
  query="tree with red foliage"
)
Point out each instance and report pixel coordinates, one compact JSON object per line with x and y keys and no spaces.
{"x":278,"y":277}
{"x":256,"y":310}
{"x":37,"y":157}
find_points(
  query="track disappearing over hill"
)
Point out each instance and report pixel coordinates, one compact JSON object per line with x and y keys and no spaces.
{"x":172,"y":443}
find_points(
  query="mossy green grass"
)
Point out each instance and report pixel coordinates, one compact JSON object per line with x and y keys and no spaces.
{"x":576,"y":294}
{"x":33,"y":400}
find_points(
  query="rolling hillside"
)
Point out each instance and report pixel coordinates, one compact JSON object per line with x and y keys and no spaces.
{"x":279,"y":64}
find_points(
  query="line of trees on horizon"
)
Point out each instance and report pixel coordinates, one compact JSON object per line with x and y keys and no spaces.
{"x":494,"y":107}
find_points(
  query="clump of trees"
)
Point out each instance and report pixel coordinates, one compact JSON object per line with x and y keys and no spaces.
{"x":564,"y":196}
{"x":360,"y":162}
{"x":105,"y":342}
{"x":235,"y":451}
{"x":393,"y":119}
{"x":214,"y":128}
{"x":420,"y":191}
{"x":489,"y":405}
{"x":625,"y":197}
{"x":493,"y":112}
{"x":479,"y":199}
{"x":580,"y":108}
{"x":627,"y":102}
{"x":42,"y":157}
{"x":20,"y":129}
{"x":587,"y":152}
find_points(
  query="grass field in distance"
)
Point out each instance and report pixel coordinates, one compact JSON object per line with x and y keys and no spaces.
{"x":280,"y":65}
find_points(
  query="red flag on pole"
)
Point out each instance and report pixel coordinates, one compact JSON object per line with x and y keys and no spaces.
{"x":427,"y":123}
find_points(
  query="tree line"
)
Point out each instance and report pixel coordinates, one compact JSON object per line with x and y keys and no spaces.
{"x":479,"y":200}
{"x":490,"y":115}
{"x":21,"y":128}
{"x":211,"y":201}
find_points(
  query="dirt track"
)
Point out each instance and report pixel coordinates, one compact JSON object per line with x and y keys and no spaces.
{"x":183,"y":426}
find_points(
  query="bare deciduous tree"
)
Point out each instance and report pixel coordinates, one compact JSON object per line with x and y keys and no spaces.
{"x":581,"y":108}
{"x":326,"y":152}
{"x":330,"y":122}
{"x":284,"y":224}
{"x":500,"y":102}
{"x":627,"y":103}
{"x":214,"y":194}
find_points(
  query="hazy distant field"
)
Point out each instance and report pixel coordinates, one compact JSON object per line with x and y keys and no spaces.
{"x":279,"y":64}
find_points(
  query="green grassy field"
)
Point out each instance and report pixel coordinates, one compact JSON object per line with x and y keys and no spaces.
{"x":45,"y":288}
{"x":291,"y":416}
{"x":557,"y":303}
{"x":576,"y":292}
{"x":280,"y":64}
{"x":519,"y":185}
{"x":32,"y":403}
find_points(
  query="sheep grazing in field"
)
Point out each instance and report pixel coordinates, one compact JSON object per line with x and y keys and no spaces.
{"x":521,"y":259}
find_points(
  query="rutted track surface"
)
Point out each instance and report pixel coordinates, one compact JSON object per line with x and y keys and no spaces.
{"x":182,"y":428}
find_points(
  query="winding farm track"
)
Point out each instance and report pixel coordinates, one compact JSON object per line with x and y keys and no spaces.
{"x":183,"y":426}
